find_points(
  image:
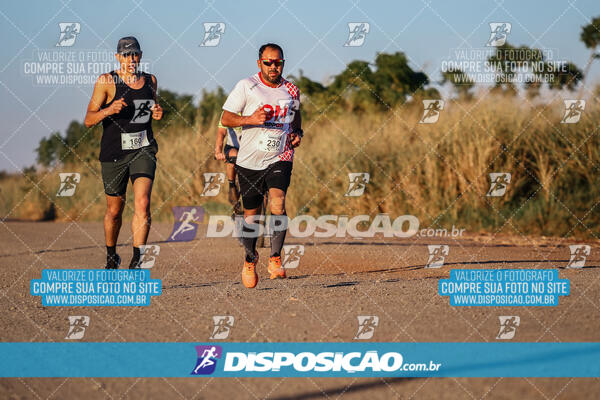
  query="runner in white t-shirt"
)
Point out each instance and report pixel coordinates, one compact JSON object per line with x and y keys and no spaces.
{"x":271,"y":129}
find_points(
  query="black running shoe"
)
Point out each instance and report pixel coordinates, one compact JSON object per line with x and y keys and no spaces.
{"x":113,"y":262}
{"x":135,"y":264}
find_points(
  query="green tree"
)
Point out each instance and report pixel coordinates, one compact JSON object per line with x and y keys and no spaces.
{"x":568,"y":75}
{"x":211,"y":104}
{"x":316,"y":97}
{"x":79,"y":143}
{"x":48,"y":149}
{"x":354,"y":86}
{"x":178,"y":109}
{"x":509,"y":61}
{"x":395,"y":80}
{"x":363,"y":86}
{"x":307,"y":86}
{"x":556,"y":76}
{"x":590,"y":36}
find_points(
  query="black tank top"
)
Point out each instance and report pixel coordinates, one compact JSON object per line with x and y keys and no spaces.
{"x":136,"y":117}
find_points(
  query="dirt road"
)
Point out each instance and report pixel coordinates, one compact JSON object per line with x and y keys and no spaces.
{"x":336,"y":281}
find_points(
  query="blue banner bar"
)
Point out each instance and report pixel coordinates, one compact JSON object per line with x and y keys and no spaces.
{"x":95,"y":287}
{"x":504,"y":287}
{"x":351,"y":359}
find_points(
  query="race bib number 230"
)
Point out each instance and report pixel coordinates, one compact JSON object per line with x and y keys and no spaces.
{"x":272,"y":142}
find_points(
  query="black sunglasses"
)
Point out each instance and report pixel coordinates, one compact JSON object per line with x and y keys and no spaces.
{"x":268,"y":62}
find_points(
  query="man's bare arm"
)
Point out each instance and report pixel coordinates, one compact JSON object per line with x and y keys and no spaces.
{"x":297,"y":121}
{"x":232,"y":120}
{"x":296,"y":133}
{"x":157,"y":111}
{"x":221,"y":132}
{"x":94,"y":114}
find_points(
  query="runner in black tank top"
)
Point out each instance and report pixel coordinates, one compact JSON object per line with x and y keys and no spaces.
{"x":134,"y":118}
{"x":125,"y":102}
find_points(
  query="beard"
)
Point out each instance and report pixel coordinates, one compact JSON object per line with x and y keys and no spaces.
{"x":275,"y":79}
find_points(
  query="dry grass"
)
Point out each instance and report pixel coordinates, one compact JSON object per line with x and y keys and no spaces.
{"x":438,"y":172}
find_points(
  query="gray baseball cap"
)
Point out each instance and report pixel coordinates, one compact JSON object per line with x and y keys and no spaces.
{"x":128,"y":44}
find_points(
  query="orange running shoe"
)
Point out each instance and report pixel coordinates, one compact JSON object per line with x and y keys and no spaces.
{"x":249,"y":276}
{"x":275,"y":268}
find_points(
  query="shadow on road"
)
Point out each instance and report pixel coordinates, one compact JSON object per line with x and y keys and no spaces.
{"x":352,"y":388}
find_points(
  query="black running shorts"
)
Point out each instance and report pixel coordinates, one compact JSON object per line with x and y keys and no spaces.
{"x":255,"y":183}
{"x":115,"y":174}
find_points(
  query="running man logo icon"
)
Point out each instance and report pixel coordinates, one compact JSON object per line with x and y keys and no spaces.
{"x":148,"y":254}
{"x":358,"y":33}
{"x":186,"y":223}
{"x":291,"y":255}
{"x":284,"y":112}
{"x":358,"y":183}
{"x":222,"y":326}
{"x":68,"y":184}
{"x":366,"y":326}
{"x":499,"y":33}
{"x":207,"y":359}
{"x":212,"y":183}
{"x":579,"y":253}
{"x":143,"y":111}
{"x":212,"y":33}
{"x":573,"y":111}
{"x":437,"y":255}
{"x":508,"y":327}
{"x":68,"y":33}
{"x":431,"y":111}
{"x":499,"y":184}
{"x":77,"y":325}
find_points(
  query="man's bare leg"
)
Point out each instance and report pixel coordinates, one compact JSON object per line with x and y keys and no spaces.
{"x":234,"y":194}
{"x":230,"y":172}
{"x":140,"y":223}
{"x":113,"y":218}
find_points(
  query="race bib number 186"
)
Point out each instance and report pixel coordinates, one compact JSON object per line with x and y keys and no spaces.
{"x":134,"y":140}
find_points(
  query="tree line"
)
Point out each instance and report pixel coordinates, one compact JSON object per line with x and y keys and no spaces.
{"x":362,"y":86}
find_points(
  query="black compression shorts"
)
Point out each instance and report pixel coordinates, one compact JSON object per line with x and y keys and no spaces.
{"x":255,"y":183}
{"x":228,"y":158}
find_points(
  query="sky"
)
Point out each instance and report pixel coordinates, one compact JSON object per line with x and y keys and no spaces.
{"x":312,"y":34}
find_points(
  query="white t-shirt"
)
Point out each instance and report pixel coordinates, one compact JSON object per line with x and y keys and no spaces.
{"x":263,"y":145}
